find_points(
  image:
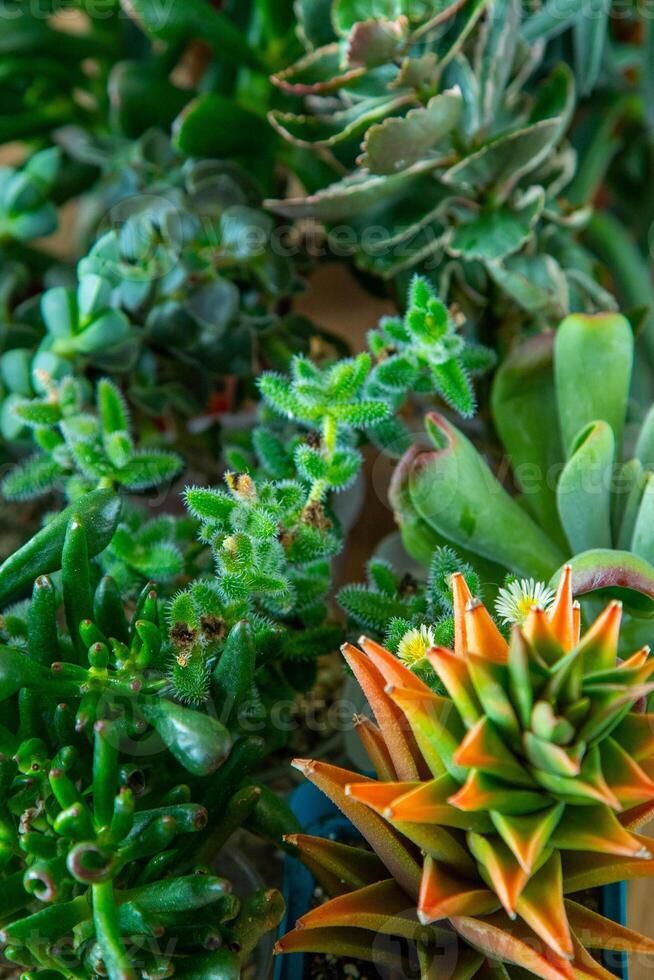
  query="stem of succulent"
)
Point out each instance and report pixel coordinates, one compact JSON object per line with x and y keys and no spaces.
{"x":105,"y":917}
{"x":329,"y":440}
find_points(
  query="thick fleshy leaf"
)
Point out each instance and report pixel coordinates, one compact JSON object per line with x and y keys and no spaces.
{"x":483,"y":749}
{"x":583,"y":491}
{"x":337,"y":941}
{"x":638,"y":816}
{"x":390,"y":719}
{"x":353,"y":867}
{"x":542,"y":638}
{"x":390,"y":667}
{"x":440,"y":844}
{"x":616,"y":573}
{"x":452,"y":671}
{"x":601,"y":933}
{"x":454,"y":491}
{"x":443,"y":894}
{"x":552,"y":758}
{"x":593,"y":358}
{"x":428,"y":804}
{"x":525,"y":415}
{"x":541,"y":906}
{"x":485,"y":793}
{"x":630,"y":783}
{"x":382,"y":838}
{"x":376,"y":42}
{"x":596,"y":829}
{"x":589,"y":786}
{"x":318,"y":72}
{"x":496,"y":233}
{"x":636,"y":735}
{"x":493,"y":937}
{"x":499,"y":869}
{"x":528,"y":836}
{"x":581,"y":871}
{"x":350,"y":196}
{"x":397,"y":143}
{"x":642,"y":535}
{"x":374,"y":744}
{"x":491,"y":683}
{"x":379,"y":795}
{"x":461,"y":596}
{"x":561,"y":613}
{"x":505,"y":159}
{"x":435,"y":725}
{"x":344,"y":124}
{"x":483,"y":638}
{"x":381,"y":907}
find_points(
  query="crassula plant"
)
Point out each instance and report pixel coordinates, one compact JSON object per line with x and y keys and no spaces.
{"x":523,"y":779}
{"x":560,"y":407}
{"x":117,"y":796}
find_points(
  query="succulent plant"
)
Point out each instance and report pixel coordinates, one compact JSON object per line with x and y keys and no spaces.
{"x":525,"y":783}
{"x":26,"y":210}
{"x":560,"y":406}
{"x":110,"y":855}
{"x":77,"y":449}
{"x":463,"y":162}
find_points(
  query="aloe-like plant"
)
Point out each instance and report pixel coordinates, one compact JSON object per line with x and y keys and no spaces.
{"x":559,"y":403}
{"x":524,"y":783}
{"x":110,"y":857}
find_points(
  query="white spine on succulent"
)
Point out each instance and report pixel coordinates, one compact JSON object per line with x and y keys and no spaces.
{"x":516,"y":599}
{"x":414,"y":645}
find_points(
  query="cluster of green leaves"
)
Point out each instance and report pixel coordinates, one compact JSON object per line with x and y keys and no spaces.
{"x":82,"y":449}
{"x":26,"y":210}
{"x":273,"y":531}
{"x":109,"y":857}
{"x":454,"y":144}
{"x":390,"y":606}
{"x":560,"y":406}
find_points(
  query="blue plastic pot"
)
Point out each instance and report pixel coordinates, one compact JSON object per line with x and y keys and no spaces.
{"x":318,"y":816}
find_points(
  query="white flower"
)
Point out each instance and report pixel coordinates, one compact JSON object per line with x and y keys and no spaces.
{"x":414,"y":645}
{"x":516,"y":599}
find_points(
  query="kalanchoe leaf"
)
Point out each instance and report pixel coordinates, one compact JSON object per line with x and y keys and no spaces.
{"x":397,"y":143}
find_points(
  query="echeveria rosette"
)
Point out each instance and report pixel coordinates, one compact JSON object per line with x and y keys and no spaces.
{"x":454,"y":156}
{"x":559,"y":404}
{"x":525,"y":783}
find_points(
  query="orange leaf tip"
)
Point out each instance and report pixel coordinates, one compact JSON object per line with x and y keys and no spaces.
{"x":304,"y":766}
